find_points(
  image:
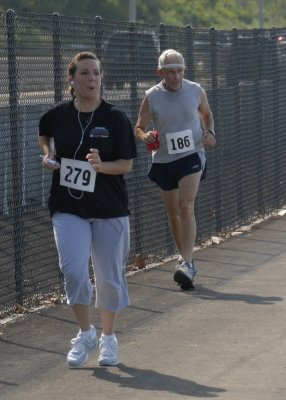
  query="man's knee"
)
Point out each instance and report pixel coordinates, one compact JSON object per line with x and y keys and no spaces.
{"x":186,"y":208}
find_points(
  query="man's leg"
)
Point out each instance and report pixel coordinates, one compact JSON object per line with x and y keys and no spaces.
{"x":180,"y":209}
{"x":171,"y":200}
{"x":188,"y":188}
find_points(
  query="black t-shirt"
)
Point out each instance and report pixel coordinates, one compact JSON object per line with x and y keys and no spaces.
{"x":110,"y":132}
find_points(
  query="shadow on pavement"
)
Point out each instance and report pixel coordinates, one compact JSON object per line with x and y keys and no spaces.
{"x":209,"y":294}
{"x":147,"y":379}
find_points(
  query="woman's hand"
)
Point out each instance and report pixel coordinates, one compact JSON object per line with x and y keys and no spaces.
{"x":115,"y":167}
{"x":95,"y":160}
{"x":49,"y":163}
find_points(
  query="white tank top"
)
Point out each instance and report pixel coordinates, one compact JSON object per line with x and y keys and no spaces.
{"x":175,"y":116}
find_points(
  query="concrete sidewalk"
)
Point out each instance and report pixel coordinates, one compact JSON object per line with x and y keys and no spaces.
{"x":225,"y":340}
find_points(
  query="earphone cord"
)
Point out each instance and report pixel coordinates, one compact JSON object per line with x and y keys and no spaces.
{"x":80,"y":143}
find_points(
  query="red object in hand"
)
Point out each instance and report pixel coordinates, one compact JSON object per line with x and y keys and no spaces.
{"x":154,"y":145}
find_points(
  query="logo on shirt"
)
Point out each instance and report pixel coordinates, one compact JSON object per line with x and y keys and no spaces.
{"x":99,"y":132}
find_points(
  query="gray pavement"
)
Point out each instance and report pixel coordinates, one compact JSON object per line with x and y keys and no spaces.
{"x":225,"y":340}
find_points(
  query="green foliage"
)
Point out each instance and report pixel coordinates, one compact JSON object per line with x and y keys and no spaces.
{"x":221,"y":14}
{"x":276,"y":13}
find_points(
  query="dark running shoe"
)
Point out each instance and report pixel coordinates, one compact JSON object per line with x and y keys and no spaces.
{"x":185,"y":275}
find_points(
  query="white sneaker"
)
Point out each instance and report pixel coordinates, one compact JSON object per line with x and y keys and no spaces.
{"x":82,"y":346}
{"x":108,"y":351}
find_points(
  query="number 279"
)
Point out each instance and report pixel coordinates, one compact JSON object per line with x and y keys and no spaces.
{"x":74,"y":174}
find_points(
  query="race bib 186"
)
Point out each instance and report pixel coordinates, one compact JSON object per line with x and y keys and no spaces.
{"x":77,"y":174}
{"x":180,"y":142}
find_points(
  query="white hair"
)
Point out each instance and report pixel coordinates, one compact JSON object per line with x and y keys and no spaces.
{"x":173,"y":54}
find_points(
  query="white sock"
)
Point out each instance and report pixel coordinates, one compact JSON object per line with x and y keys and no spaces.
{"x":107,"y":337}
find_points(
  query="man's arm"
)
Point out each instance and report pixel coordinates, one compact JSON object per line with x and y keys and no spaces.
{"x":144,"y":118}
{"x":205,"y":112}
{"x":206,"y":117}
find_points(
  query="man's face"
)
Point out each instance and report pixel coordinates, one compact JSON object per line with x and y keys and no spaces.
{"x":172,"y":78}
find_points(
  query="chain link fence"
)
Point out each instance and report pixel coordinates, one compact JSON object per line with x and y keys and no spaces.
{"x":244,"y":75}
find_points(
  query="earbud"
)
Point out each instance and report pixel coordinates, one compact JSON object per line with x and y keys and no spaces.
{"x":71,"y":82}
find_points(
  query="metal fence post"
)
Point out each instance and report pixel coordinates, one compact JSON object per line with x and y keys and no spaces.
{"x":233,"y":79}
{"x":98,"y":38}
{"x":163,"y":38}
{"x":258,"y":132}
{"x":214,"y":76}
{"x":57,"y":55}
{"x":16,"y":159}
{"x":214,"y":100}
{"x":276,"y":95}
{"x":190,"y":54}
{"x":138,"y":239}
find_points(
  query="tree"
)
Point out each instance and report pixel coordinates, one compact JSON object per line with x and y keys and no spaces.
{"x":221,"y":14}
{"x":111,"y":9}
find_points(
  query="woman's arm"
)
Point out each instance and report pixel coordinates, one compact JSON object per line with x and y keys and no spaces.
{"x":46,"y":144}
{"x":116,"y":167}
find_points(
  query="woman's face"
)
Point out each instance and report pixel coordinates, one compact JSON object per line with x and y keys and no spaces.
{"x":87,"y":79}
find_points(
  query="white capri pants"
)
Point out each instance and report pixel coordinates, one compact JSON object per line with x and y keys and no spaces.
{"x":107,"y":242}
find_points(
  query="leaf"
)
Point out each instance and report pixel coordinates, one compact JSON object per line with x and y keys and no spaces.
{"x":20,"y":309}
